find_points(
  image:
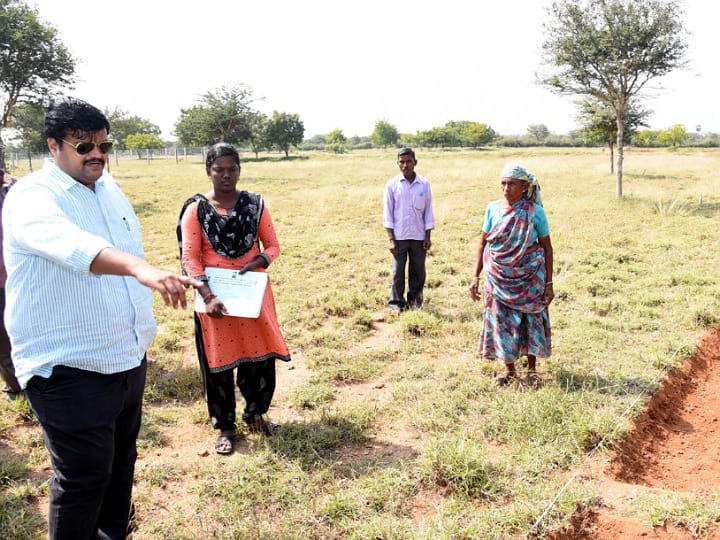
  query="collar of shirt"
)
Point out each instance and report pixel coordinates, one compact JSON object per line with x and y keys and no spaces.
{"x":67,"y":181}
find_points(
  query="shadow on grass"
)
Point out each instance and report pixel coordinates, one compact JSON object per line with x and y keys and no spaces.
{"x":151,"y":436}
{"x":650,"y":176}
{"x":270,"y":159}
{"x":323,"y":444}
{"x":707,"y":210}
{"x":19,"y":517}
{"x":180,"y":384}
{"x":145,"y":209}
{"x":574,"y":382}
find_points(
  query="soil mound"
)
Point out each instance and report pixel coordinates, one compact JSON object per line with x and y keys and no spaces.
{"x":673,"y":445}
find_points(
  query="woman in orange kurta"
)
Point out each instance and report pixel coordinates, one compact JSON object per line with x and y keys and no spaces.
{"x":224,"y":229}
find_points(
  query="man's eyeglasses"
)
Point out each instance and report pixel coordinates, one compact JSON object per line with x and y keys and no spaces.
{"x":83,"y":148}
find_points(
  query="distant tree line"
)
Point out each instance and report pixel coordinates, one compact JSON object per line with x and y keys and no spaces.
{"x":639,"y":41}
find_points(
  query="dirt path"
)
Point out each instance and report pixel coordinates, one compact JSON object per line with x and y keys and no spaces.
{"x":673,"y":446}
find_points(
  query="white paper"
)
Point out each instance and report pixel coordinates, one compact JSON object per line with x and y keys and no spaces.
{"x":242,"y":294}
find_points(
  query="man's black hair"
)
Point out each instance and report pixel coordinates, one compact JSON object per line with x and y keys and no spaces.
{"x":71,"y":115}
{"x":407,"y":152}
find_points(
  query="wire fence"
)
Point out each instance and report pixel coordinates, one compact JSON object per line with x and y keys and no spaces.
{"x":178,"y":154}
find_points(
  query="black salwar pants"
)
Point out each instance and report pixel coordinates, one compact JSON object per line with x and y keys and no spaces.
{"x":255,"y":380}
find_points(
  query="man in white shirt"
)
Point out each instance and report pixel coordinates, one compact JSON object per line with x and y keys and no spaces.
{"x":79,"y":316}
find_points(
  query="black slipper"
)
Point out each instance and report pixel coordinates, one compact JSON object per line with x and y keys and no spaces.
{"x":225,"y":443}
{"x":505,"y":380}
{"x":533,"y":380}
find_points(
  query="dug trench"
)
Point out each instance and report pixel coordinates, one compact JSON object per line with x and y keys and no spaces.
{"x":672,"y":448}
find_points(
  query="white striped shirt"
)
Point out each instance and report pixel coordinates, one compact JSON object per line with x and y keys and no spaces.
{"x":57,"y":312}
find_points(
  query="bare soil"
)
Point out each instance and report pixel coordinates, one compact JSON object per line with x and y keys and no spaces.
{"x":672,"y":446}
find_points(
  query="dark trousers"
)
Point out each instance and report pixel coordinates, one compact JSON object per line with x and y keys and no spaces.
{"x":90,"y":423}
{"x":410,"y":253}
{"x":256,"y":381}
{"x":7,"y":370}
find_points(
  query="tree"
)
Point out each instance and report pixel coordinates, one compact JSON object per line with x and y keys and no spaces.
{"x":452,"y":132}
{"x":476,"y":134}
{"x":318,"y":140}
{"x":34,"y":63}
{"x":191,"y":130}
{"x":439,"y":136}
{"x":257,"y":124}
{"x":143,"y":141}
{"x":600,"y":127}
{"x":122,"y":124}
{"x":284,"y":130}
{"x":539,"y":132}
{"x":336,"y":142}
{"x":408,"y":140}
{"x":610,"y":49}
{"x":674,"y":136}
{"x":646,"y":137}
{"x":222,"y":115}
{"x":384,"y":134}
{"x":29,"y":121}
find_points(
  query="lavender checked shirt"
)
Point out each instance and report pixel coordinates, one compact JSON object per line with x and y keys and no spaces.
{"x":407,"y":208}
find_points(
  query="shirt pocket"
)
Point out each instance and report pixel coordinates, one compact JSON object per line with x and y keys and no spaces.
{"x":419,"y":201}
{"x":130,"y":238}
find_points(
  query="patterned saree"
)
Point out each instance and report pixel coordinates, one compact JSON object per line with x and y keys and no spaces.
{"x":516,"y":320}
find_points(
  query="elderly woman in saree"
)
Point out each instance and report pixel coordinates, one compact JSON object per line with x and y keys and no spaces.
{"x":225,"y":228}
{"x":516,"y":253}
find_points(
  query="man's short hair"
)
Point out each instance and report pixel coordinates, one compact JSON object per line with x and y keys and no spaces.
{"x":71,"y":115}
{"x":406,"y":152}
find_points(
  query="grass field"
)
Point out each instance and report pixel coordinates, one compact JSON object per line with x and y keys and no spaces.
{"x":391,"y":425}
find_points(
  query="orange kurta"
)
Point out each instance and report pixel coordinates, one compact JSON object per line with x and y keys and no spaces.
{"x":231,"y":340}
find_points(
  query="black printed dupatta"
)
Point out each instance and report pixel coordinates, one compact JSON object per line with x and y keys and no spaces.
{"x":232,"y":235}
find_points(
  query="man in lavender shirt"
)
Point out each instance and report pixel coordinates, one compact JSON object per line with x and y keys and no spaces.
{"x":408,"y":219}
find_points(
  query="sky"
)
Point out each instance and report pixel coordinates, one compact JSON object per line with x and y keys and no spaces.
{"x":345,"y":65}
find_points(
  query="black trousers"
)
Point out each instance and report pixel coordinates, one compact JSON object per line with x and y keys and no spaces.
{"x":90,"y":423}
{"x":410,"y":253}
{"x":256,"y":381}
{"x":7,"y":370}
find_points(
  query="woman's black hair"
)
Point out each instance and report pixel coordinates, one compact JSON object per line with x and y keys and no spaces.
{"x":71,"y":115}
{"x":219,"y":150}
